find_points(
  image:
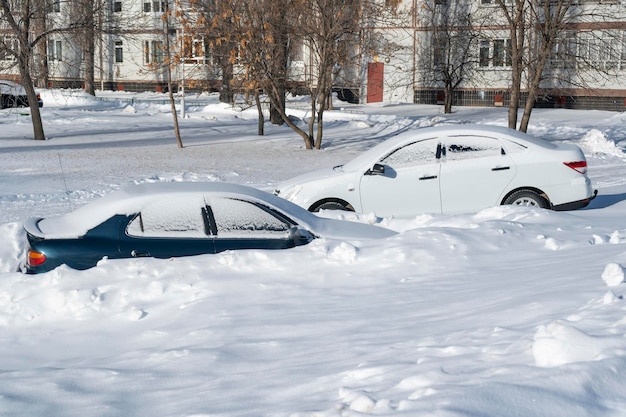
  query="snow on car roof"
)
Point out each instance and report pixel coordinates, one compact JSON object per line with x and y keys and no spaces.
{"x":131,"y":199}
{"x":365,"y":159}
{"x":10,"y":87}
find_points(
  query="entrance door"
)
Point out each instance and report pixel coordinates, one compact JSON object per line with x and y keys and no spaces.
{"x":375,"y":77}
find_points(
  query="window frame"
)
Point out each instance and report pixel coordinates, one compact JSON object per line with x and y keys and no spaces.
{"x":119,"y":51}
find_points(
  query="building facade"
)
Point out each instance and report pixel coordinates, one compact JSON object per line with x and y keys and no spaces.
{"x":412,"y":53}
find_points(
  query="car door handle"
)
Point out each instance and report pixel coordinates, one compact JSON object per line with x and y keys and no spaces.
{"x":137,"y":254}
{"x":428,"y":177}
{"x":500,"y":168}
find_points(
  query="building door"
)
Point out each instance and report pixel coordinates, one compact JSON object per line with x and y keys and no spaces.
{"x":375,"y":74}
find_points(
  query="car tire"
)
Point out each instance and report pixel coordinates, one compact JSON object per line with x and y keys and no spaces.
{"x":332,"y":205}
{"x":527,"y":198}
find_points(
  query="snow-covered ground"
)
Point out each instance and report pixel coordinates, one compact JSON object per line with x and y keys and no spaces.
{"x":505,"y":312}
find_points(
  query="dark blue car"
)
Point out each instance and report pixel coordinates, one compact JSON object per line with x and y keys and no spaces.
{"x":164,"y":220}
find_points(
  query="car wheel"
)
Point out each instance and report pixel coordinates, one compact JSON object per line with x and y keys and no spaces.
{"x":332,"y":205}
{"x":527,"y":198}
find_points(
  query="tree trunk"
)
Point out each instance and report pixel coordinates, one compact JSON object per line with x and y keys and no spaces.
{"x":447,"y":99}
{"x":537,"y":75}
{"x":40,"y":58}
{"x":168,"y":69}
{"x":35,"y":114}
{"x":275,"y":109}
{"x":311,"y":123}
{"x":90,"y":53}
{"x":259,"y":108}
{"x":516,"y":80}
{"x":320,"y":128}
{"x":226,"y":91}
{"x":179,"y":140}
{"x":308,"y":140}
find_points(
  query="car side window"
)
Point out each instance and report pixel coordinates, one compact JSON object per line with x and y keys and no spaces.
{"x":243,"y":219}
{"x":416,"y":153}
{"x":181,"y":216}
{"x":470,"y":147}
{"x":514,"y":147}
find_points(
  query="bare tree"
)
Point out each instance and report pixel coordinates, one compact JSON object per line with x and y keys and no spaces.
{"x":39,"y":69}
{"x":172,"y":57}
{"x":87,"y":8}
{"x":19,"y":17}
{"x":539,"y":30}
{"x":31,"y":25}
{"x":255,"y":42}
{"x":217,"y":22}
{"x":454,"y":30}
{"x":329,"y":30}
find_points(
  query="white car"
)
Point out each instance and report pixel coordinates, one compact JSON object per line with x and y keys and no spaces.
{"x":449,"y":169}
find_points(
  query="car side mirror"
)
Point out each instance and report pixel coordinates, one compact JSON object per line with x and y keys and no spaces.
{"x":300,"y":236}
{"x":377,"y":169}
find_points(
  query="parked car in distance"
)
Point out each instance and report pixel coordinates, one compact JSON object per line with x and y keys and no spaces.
{"x":14,"y":95}
{"x":164,"y":220}
{"x":449,"y":169}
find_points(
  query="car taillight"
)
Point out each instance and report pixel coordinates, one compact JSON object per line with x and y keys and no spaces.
{"x":578,"y":166}
{"x":36,"y":258}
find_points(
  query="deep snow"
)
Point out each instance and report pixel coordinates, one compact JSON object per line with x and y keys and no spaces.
{"x":506,"y":312}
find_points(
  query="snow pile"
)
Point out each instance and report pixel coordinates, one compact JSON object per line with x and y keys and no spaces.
{"x":595,"y":142}
{"x":509,"y":311}
{"x":613,"y":275}
{"x":558,"y":344}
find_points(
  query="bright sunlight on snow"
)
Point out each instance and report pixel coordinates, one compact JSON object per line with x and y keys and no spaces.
{"x":510,"y":311}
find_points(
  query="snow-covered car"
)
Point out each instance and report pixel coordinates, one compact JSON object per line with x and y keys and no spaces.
{"x":449,"y":169}
{"x":164,"y":220}
{"x":14,"y":95}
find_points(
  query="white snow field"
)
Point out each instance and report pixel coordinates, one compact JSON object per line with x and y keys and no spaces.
{"x":507,"y":312}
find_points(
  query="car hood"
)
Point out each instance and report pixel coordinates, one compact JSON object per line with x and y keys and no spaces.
{"x":346,"y":230}
{"x":289,"y":188}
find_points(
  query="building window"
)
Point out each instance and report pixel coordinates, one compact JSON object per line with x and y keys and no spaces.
{"x":55,"y":50}
{"x":12,"y":46}
{"x":54,"y":6}
{"x":496,"y":53}
{"x":158,"y":6}
{"x":622,"y":47}
{"x":567,"y":51}
{"x":439,"y":51}
{"x":117,"y":6}
{"x":119,"y":51}
{"x":483,"y":59}
{"x":154,"y":6}
{"x":153,"y":52}
{"x":508,"y":59}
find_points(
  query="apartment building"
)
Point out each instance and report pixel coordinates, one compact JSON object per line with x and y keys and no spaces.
{"x":413,"y":46}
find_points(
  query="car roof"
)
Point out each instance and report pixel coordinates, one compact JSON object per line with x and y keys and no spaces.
{"x":10,"y":87}
{"x":130,"y":200}
{"x":366,"y":158}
